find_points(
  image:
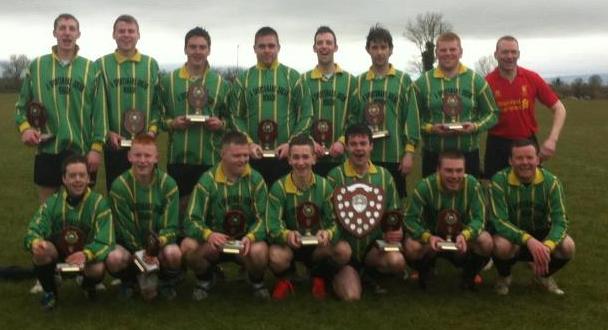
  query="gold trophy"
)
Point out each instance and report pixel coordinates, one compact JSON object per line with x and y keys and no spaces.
{"x":308,"y":220}
{"x":452,"y":108}
{"x":391,"y":221}
{"x":322,"y":132}
{"x":197,"y":99}
{"x":134,"y":122}
{"x":37,"y":118}
{"x":267,"y":132}
{"x":234,"y":227}
{"x":359,"y":207}
{"x":152,"y":249}
{"x":449,"y":225}
{"x":374,"y":116}
{"x":70,"y":240}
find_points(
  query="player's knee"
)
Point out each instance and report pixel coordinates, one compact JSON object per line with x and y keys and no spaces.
{"x":259,"y":254}
{"x":484,"y":244}
{"x":502,"y":248}
{"x":95,"y":270}
{"x":117,"y":260}
{"x":414,"y":250}
{"x":172,"y":255}
{"x":395,"y":262}
{"x":188,"y":246}
{"x":566,"y":248}
{"x":342,"y":253}
{"x":278,"y":258}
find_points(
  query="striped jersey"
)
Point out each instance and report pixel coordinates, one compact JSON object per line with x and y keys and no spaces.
{"x":67,"y":92}
{"x":92,"y":215}
{"x":194,"y":145}
{"x":214,"y":195}
{"x":284,"y":199}
{"x":478,"y":107}
{"x":520,"y":210}
{"x":140,"y":210}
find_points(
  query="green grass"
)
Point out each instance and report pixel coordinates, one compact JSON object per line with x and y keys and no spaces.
{"x":581,"y":163}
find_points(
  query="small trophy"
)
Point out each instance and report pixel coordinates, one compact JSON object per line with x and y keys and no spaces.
{"x":449,"y":225}
{"x":452,"y":107}
{"x":152,"y":249}
{"x":391,"y":221}
{"x":37,"y":118}
{"x":234,"y":227}
{"x":374,"y":116}
{"x":134,"y":122}
{"x":322,"y":133}
{"x":359,"y":207}
{"x":197,"y":99}
{"x":267,"y":132}
{"x":308,"y":219}
{"x":70,"y":240}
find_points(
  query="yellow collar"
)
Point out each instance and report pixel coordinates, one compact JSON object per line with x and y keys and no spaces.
{"x":317,"y":74}
{"x":185,"y":74}
{"x":371,"y":74}
{"x":514,"y":180}
{"x":349,"y":170}
{"x":273,"y":66}
{"x":121,"y":58}
{"x":220,"y":177}
{"x":290,"y":186}
{"x":56,"y":57}
{"x":440,"y":74}
{"x":65,"y":194}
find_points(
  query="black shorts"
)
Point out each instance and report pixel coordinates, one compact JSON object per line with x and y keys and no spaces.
{"x":116,"y":163}
{"x":322,"y":168}
{"x":431,"y":159}
{"x":497,"y":154}
{"x":399,"y":179}
{"x":186,"y":176}
{"x":271,"y":169}
{"x":47,"y":168}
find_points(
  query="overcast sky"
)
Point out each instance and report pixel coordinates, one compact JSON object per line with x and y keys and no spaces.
{"x":557,"y":38}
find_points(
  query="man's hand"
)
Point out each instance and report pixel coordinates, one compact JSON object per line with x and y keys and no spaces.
{"x":39,"y":248}
{"x":337,"y":149}
{"x":217,"y":240}
{"x":283,"y":150}
{"x":30,"y":137}
{"x":293,"y":239}
{"x":467,"y":128}
{"x":214,"y":124}
{"x":255,"y":151}
{"x":319,"y":150}
{"x":76,"y":258}
{"x":246,"y":246}
{"x":323,"y":237}
{"x":433,"y":241}
{"x":442,"y":130}
{"x":406,"y":163}
{"x":114,"y":140}
{"x":461,"y":244}
{"x":547,"y":150}
{"x":93,"y":161}
{"x":180,"y":123}
{"x":541,"y":256}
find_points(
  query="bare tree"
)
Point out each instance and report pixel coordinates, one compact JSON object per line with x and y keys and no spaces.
{"x":16,"y":65}
{"x":485,"y":65}
{"x":422,"y":32}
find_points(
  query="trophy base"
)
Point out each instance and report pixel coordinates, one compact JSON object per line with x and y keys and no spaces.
{"x":197,"y":118}
{"x":142,"y":265}
{"x":269,"y":154}
{"x":454,"y":126}
{"x":388,"y":246}
{"x":447,"y":246}
{"x":124,"y":143}
{"x":232,"y":247}
{"x":66,"y":268}
{"x":309,"y":240}
{"x":46,"y":136}
{"x":379,"y":134}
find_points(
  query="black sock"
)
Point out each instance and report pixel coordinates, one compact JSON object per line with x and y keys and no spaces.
{"x":503,"y":266}
{"x":473,"y":265}
{"x":207,"y":276}
{"x":90,"y":283}
{"x":556,"y":264}
{"x":127,"y":275}
{"x":46,"y":276}
{"x":255,"y":279}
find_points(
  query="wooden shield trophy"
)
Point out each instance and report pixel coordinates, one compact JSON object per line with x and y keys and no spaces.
{"x":308,"y":221}
{"x":449,"y":225}
{"x":134,"y":122}
{"x":374,"y":116}
{"x":197,"y":99}
{"x":359,"y":207}
{"x":37,"y":117}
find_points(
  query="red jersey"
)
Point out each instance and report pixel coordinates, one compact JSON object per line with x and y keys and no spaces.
{"x":516,"y":102}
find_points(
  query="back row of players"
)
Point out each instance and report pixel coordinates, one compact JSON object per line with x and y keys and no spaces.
{"x":272,"y":108}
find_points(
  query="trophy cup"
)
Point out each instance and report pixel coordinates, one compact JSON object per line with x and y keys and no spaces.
{"x":37,"y":118}
{"x":359,"y":207}
{"x":374,"y":116}
{"x":234,"y":227}
{"x":267,"y":132}
{"x":449,"y":225}
{"x":308,"y":219}
{"x":197,"y":99}
{"x":452,"y":107}
{"x":152,"y":249}
{"x":70,"y":240}
{"x":391,"y":221}
{"x":321,"y":132}
{"x":134,"y":122}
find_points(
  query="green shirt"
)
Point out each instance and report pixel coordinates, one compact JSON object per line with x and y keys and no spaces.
{"x":92,"y":215}
{"x":331,"y":100}
{"x":345,"y":174}
{"x":478,"y":107}
{"x":194,"y":145}
{"x":129,"y":83}
{"x":284,"y":199}
{"x":214,"y":195}
{"x":520,"y":210}
{"x":140,"y":210}
{"x":276,"y":93}
{"x":393,"y":91}
{"x":67,"y":92}
{"x":430,"y":198}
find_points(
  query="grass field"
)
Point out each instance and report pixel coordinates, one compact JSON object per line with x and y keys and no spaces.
{"x":581,"y":163}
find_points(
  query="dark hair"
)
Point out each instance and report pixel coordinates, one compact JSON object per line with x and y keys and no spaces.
{"x":197,"y":32}
{"x":377,"y":33}
{"x":65,"y":16}
{"x":523,"y":143}
{"x":358,"y":129}
{"x":301,"y":140}
{"x":72,"y":159}
{"x":234,"y":137}
{"x":125,"y":18}
{"x":449,"y":154}
{"x":506,"y":38}
{"x":324,"y":29}
{"x":265,"y":31}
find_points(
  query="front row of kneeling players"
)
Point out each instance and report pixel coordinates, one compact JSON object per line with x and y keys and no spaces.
{"x":233,"y":217}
